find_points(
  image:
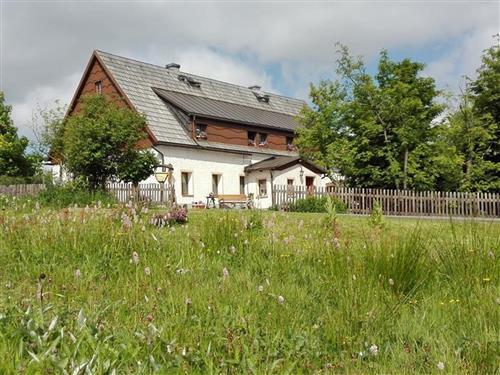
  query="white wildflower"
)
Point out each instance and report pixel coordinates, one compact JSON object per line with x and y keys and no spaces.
{"x":225,"y":273}
{"x":184,"y":352}
{"x":492,"y":256}
{"x":391,"y":282}
{"x":78,"y":273}
{"x":260,"y":289}
{"x":281,"y":300}
{"x":135,"y":258}
{"x":374,"y":350}
{"x":336,"y":243}
{"x":440,"y":366}
{"x":169,"y":349}
{"x":354,"y":277}
{"x":361,"y":354}
{"x":188,"y":301}
{"x":147,"y":271}
{"x":246,"y":242}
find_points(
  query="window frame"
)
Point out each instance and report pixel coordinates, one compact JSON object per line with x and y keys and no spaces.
{"x":265,"y":188}
{"x":242,"y":186}
{"x":219,"y":183}
{"x":266,"y":139}
{"x":199,"y":132}
{"x":252,"y":141}
{"x":189,"y":184}
{"x":98,"y":87}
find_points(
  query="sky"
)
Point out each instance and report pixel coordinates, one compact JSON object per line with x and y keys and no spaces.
{"x":283,"y":46}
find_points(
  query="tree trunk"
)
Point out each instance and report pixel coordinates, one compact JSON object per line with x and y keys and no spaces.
{"x":405,"y":170}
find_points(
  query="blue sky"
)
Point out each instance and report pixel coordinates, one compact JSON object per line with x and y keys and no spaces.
{"x":279,"y":45}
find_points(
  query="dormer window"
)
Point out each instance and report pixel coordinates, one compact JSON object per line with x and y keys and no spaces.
{"x":251,"y":138}
{"x":201,"y":131}
{"x":98,"y":87}
{"x":289,"y":144}
{"x":262,"y":139}
{"x":261,"y":97}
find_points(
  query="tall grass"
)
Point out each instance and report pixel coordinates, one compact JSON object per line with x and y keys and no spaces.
{"x":244,"y":292}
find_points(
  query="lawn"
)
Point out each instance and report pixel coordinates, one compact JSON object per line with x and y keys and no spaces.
{"x":100,"y":290}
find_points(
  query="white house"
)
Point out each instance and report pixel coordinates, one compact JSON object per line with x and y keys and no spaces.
{"x":219,"y":137}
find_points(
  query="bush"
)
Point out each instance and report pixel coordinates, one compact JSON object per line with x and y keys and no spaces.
{"x":72,"y":193}
{"x":175,"y":216}
{"x":316,"y":204}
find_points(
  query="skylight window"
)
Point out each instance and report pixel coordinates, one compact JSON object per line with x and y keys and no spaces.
{"x":189,"y":81}
{"x":261,"y":97}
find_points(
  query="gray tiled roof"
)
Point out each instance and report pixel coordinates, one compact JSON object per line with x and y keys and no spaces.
{"x":137,"y":79}
{"x":217,"y":109}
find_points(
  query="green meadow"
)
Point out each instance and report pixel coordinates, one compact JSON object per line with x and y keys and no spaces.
{"x":99,"y":290}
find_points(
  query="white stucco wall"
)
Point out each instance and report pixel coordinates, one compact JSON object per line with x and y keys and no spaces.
{"x":230,"y":166}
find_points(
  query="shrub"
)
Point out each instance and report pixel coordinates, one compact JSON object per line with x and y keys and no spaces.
{"x":376,"y":218}
{"x":73,"y":193}
{"x":317,"y":204}
{"x":176,"y":215}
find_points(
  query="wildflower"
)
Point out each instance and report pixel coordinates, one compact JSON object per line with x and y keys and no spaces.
{"x":246,"y":242}
{"x":202,"y":245}
{"x":260,"y":288}
{"x":354,"y":277}
{"x":391,"y":282}
{"x":184,"y":352}
{"x":374,"y":350}
{"x":440,"y":366}
{"x":78,"y":273}
{"x":491,"y":255}
{"x":225,"y":273}
{"x":126,"y":222}
{"x":281,"y":300}
{"x":169,"y":349}
{"x":181,"y":271}
{"x":486,"y":279}
{"x":232,"y":249}
{"x":147,"y":271}
{"x":135,"y":258}
{"x":188,"y":301}
{"x":149,"y":317}
{"x":336,"y":243}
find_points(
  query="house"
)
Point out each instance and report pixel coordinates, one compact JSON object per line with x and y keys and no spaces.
{"x":219,"y":137}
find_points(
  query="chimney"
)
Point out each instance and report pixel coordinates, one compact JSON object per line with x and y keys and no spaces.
{"x":254,"y":88}
{"x":173,"y":67}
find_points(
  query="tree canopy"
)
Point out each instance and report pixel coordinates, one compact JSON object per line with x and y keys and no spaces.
{"x":14,"y":160}
{"x":100,"y":143}
{"x":389,"y":129}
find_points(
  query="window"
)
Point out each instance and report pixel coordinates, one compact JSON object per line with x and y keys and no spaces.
{"x":98,"y":87}
{"x":216,"y":184}
{"x":262,"y":188}
{"x":262,"y":139}
{"x":186,"y":184}
{"x":289,"y":181}
{"x":242,"y":184}
{"x":289,"y":144}
{"x":251,"y":138}
{"x":201,"y":131}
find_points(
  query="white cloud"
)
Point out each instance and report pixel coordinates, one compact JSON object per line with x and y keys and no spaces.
{"x":463,"y":60}
{"x":42,"y":96}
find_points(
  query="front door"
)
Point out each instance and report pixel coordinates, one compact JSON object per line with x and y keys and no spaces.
{"x":309,"y":184}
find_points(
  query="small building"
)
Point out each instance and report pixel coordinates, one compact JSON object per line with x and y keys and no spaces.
{"x":220,"y":138}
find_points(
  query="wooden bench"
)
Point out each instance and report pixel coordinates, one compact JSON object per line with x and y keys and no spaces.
{"x":227,"y":200}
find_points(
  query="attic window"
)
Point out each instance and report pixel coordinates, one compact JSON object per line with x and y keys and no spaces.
{"x":189,"y":81}
{"x":251,"y":138}
{"x":262,"y":139}
{"x":98,"y":87}
{"x":201,"y":131}
{"x":261,"y":97}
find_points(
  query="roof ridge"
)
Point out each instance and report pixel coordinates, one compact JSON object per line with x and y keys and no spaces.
{"x":197,"y":75}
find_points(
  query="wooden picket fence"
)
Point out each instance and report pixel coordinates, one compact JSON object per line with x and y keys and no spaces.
{"x":146,"y":192}
{"x":398,"y":202}
{"x":21,"y":190}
